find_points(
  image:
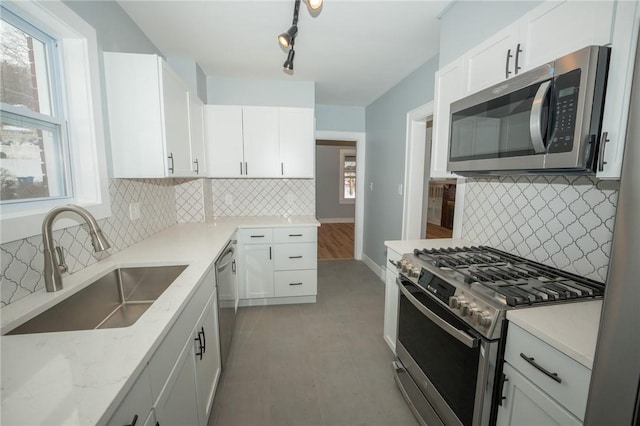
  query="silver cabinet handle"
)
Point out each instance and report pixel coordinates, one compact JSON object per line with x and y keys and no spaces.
{"x":241,"y":168}
{"x":295,"y":257}
{"x":461,"y":336}
{"x":295,"y":235}
{"x":197,"y":166}
{"x":518,"y":52}
{"x":295,"y":283}
{"x":246,"y":168}
{"x":282,"y":169}
{"x":535,"y":125}
{"x":603,"y":143}
{"x":171,"y":158}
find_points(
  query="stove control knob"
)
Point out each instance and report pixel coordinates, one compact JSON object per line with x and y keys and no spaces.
{"x":474,"y":313}
{"x":484,"y":321}
{"x":454,"y":303}
{"x":464,"y":308}
{"x":414,"y":272}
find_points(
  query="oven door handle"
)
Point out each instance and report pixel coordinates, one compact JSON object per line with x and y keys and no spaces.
{"x":461,"y":336}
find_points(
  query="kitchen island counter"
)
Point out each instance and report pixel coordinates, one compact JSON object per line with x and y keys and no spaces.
{"x":81,"y":377}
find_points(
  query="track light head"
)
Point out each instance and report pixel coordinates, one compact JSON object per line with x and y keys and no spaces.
{"x":286,"y":37}
{"x":288,"y":64}
{"x":314,"y":4}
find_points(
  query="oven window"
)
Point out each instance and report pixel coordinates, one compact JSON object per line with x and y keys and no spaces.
{"x":496,"y":128}
{"x":451,"y":366}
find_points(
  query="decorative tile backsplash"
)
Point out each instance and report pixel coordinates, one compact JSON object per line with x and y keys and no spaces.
{"x":263,"y":197}
{"x":190,"y":201}
{"x":565,"y":222}
{"x":22,"y":260}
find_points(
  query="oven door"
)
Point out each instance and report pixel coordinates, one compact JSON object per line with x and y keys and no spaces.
{"x":447,"y":361}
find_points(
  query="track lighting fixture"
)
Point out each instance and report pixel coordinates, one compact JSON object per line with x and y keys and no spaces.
{"x":287,"y":38}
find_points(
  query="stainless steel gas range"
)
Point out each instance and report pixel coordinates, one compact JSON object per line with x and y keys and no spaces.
{"x":451,"y":326}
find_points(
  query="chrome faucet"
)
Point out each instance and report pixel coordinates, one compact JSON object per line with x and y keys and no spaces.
{"x":54,"y":264}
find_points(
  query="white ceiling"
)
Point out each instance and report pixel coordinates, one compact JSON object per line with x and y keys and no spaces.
{"x":354,"y":50}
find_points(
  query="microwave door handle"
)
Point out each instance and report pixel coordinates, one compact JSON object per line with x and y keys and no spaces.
{"x":535,"y":119}
{"x":461,"y":336}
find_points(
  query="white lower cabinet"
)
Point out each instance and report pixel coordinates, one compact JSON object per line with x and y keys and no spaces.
{"x":277,"y":265}
{"x":526,"y":404}
{"x":542,"y":386}
{"x":136,"y":405}
{"x":180,"y":379}
{"x":178,"y":401}
{"x":391,"y":300}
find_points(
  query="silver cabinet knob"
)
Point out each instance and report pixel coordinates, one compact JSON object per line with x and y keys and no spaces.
{"x":454,"y":303}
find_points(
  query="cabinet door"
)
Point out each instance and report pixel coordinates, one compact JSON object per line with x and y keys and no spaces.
{"x":448,"y":88}
{"x":207,"y":358}
{"x":178,"y":403}
{"x":176,"y":124}
{"x":525,"y":404}
{"x":621,"y":65}
{"x":137,"y":403}
{"x":555,"y":29}
{"x":196,"y":135}
{"x":297,"y":142}
{"x":223,"y":140}
{"x":256,"y":269}
{"x":261,"y":141}
{"x":493,"y":60}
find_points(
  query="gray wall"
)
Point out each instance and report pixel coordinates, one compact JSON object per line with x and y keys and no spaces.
{"x":339,"y":118}
{"x":328,"y":184}
{"x":192,"y":74}
{"x":232,"y":91}
{"x":115,"y":30}
{"x":386,"y":121}
{"x":468,"y":23}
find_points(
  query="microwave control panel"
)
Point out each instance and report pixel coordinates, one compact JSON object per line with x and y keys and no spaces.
{"x":566,"y":102}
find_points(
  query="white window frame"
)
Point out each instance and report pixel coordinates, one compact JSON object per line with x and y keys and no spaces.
{"x":345,"y":153}
{"x":85,"y":127}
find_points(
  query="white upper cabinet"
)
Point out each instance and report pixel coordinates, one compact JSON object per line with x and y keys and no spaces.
{"x":555,"y":29}
{"x":223,"y":140}
{"x":149,"y":121}
{"x":449,"y":87}
{"x":296,"y":142}
{"x":196,"y":135}
{"x":259,"y":142}
{"x":493,"y":60}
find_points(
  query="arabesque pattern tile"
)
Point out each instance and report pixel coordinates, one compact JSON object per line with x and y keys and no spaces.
{"x":263,"y":197}
{"x":565,"y":222}
{"x":190,"y":200}
{"x":22,"y":260}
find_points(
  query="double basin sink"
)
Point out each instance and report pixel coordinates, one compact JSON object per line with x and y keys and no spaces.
{"x":117,"y":299}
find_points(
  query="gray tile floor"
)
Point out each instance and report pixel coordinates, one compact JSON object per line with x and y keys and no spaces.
{"x":314,"y":364}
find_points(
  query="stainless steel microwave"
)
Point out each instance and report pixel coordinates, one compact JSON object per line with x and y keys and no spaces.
{"x":546,"y":120}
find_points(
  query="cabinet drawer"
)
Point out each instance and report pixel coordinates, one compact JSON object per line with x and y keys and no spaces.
{"x":574,"y":378}
{"x":295,"y":256}
{"x":296,"y":283}
{"x":295,"y":235}
{"x":165,"y":357}
{"x":255,"y":236}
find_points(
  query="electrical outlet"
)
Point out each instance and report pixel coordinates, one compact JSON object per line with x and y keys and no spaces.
{"x":228,"y":199}
{"x":134,"y":211}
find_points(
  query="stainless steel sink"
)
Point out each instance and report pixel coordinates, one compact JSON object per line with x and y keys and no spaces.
{"x":114,"y":300}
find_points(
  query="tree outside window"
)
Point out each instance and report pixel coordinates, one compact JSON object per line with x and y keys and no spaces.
{"x":347,"y":176}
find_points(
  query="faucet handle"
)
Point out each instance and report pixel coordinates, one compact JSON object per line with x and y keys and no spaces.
{"x":62,"y":266}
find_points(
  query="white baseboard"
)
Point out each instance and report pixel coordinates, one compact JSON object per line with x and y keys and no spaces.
{"x":266,"y":301}
{"x":337,"y":220}
{"x":377,"y":269}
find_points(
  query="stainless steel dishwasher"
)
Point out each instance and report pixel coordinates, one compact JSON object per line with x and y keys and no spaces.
{"x":226,"y":280}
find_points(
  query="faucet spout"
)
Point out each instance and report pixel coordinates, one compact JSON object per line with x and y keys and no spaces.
{"x":54,"y":262}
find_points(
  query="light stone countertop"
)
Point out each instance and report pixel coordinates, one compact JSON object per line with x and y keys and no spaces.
{"x":81,"y":377}
{"x":571,"y":328}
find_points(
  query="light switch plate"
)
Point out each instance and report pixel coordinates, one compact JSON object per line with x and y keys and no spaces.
{"x":134,"y":211}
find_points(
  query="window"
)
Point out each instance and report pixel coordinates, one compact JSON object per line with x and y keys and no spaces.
{"x":32,"y":147}
{"x":51,"y":123}
{"x":347,"y":176}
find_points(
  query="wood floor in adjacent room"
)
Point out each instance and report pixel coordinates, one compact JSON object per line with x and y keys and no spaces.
{"x":435,"y":231}
{"x":335,"y":241}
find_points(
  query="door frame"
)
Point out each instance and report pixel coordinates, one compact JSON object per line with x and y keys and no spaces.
{"x":360,"y":139}
{"x":414,"y":177}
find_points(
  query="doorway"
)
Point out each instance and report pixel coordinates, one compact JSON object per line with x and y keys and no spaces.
{"x":336,"y":198}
